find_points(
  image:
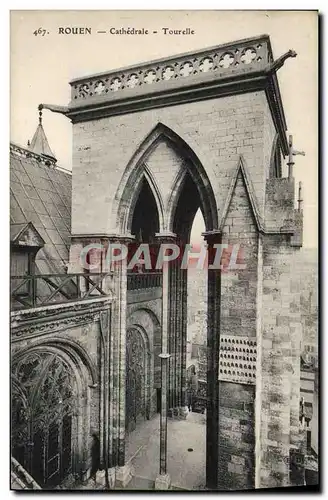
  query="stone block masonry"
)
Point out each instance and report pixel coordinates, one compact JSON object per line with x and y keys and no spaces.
{"x":236,"y":436}
{"x":225,"y":142}
{"x":151,"y":146}
{"x":102,"y":152}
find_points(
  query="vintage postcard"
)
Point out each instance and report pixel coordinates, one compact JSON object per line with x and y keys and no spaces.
{"x":164,"y":250}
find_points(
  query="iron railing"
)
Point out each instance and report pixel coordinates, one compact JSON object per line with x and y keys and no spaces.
{"x":44,"y":289}
{"x":139,"y":281}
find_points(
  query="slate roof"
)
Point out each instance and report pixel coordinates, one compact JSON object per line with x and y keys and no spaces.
{"x":41,"y":193}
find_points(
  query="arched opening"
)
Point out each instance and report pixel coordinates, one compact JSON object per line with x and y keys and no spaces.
{"x":137,"y":168}
{"x":144,"y":280}
{"x":142,"y":379}
{"x":145,"y":220}
{"x":197,"y":319}
{"x":137,"y":378}
{"x":188,"y":300}
{"x":142,"y":212}
{"x":46,"y":416}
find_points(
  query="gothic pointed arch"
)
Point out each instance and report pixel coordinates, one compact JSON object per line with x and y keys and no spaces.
{"x":144,"y":188}
{"x":137,"y":168}
{"x":50,"y":389}
{"x":241,"y":169}
{"x":138,"y":377}
{"x":68,"y":347}
{"x":143,"y":340}
{"x":139,"y":178}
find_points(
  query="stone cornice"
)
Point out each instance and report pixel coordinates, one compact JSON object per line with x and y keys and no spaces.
{"x":167,"y":95}
{"x":102,"y":238}
{"x":215,"y":235}
{"x":170,"y":96}
{"x":43,"y":320}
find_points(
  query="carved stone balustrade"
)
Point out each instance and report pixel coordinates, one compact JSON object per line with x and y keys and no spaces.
{"x":223,"y":61}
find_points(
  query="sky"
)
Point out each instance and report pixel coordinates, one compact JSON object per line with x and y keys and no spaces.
{"x":42,"y":66}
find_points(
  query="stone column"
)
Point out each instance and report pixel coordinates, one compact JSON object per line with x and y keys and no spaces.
{"x":124,"y":470}
{"x":213,"y":338}
{"x":182,"y":335}
{"x":172,"y":338}
{"x":163,"y":480}
{"x":105,"y":459}
{"x":276,"y":364}
{"x":177,"y":340}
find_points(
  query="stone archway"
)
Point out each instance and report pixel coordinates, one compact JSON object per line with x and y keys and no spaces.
{"x":49,"y":424}
{"x":137,"y":378}
{"x":184,"y":190}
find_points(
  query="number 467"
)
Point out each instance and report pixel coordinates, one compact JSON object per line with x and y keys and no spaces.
{"x":39,"y":31}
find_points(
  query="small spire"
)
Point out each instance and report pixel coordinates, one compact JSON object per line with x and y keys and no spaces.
{"x":39,"y":143}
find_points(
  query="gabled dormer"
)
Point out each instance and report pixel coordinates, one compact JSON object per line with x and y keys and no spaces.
{"x":25,"y":242}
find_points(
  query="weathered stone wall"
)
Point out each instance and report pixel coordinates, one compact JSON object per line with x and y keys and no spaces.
{"x":239,"y":287}
{"x":280,"y":367}
{"x":70,"y":328}
{"x":218,"y":131}
{"x":236,"y":443}
{"x":238,"y":319}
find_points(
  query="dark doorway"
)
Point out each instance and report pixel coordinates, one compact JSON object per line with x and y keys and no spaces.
{"x":136,"y":362}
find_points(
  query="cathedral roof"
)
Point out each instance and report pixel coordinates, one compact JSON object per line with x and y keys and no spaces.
{"x":40,"y":193}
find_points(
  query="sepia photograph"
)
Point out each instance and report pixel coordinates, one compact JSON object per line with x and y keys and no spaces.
{"x":164,"y":250}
